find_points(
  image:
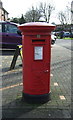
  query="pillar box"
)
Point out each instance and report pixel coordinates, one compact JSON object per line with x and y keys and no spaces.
{"x":36,"y":41}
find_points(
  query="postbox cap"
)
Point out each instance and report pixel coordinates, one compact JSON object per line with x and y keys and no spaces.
{"x":36,"y":26}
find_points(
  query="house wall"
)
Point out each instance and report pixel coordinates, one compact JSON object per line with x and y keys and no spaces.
{"x":72,"y":12}
{"x":3,"y":13}
{"x":72,"y":16}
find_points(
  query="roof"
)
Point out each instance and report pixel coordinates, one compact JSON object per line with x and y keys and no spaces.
{"x":1,"y":6}
{"x":5,"y":10}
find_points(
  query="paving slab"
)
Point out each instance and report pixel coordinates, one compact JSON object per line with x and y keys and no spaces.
{"x":60,"y":105}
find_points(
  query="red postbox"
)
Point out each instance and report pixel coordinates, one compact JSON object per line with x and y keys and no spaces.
{"x":36,"y":40}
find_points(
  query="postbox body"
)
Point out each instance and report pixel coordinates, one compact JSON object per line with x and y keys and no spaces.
{"x":36,"y":40}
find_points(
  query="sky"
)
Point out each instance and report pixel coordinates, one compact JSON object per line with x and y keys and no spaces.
{"x":18,"y":7}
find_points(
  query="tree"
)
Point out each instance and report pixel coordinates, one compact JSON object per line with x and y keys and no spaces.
{"x":15,"y":20}
{"x":33,"y":15}
{"x":62,"y":17}
{"x":65,"y":16}
{"x":68,"y":14}
{"x":46,"y":10}
{"x":22,"y":20}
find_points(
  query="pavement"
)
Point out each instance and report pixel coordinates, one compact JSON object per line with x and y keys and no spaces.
{"x":58,"y":107}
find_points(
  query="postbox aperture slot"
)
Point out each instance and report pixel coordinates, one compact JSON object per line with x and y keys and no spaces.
{"x":38,"y":53}
{"x":38,"y":40}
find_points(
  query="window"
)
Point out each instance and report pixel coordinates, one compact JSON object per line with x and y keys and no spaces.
{"x":10,"y":28}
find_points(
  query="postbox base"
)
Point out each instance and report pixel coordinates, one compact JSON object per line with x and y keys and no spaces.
{"x":36,"y":98}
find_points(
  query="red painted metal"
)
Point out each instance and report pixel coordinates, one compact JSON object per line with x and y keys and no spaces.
{"x":36,"y":42}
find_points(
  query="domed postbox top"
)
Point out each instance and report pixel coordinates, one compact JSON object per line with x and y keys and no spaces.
{"x":36,"y":24}
{"x":36,"y":27}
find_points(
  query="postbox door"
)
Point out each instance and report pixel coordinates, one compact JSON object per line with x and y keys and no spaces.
{"x":41,"y":68}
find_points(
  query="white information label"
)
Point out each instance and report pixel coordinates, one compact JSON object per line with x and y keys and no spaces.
{"x":38,"y":53}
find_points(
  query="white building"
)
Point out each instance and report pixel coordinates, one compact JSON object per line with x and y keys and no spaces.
{"x":3,"y":13}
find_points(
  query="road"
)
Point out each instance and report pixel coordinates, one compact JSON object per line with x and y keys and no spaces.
{"x":65,"y":43}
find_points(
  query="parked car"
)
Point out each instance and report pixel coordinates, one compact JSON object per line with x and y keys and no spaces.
{"x":53,"y":39}
{"x":9,"y":35}
{"x":66,"y":34}
{"x":71,"y":35}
